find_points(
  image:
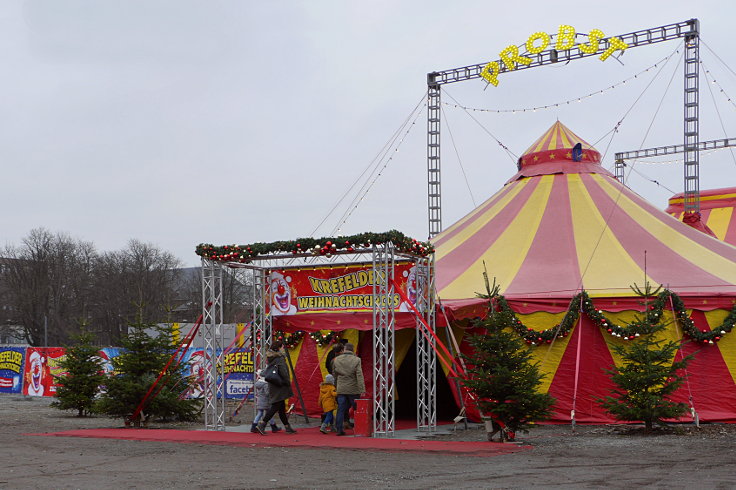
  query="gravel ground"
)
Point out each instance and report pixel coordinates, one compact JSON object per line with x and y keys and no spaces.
{"x":591,"y":457}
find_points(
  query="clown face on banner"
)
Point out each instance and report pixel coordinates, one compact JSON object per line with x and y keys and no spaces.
{"x":281,"y":295}
{"x":411,"y":288}
{"x":38,"y":377}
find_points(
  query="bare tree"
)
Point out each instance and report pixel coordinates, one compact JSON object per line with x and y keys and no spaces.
{"x":237,"y":295}
{"x":136,"y":284}
{"x":46,"y":282}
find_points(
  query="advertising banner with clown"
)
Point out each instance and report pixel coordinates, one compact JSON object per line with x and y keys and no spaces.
{"x":238,"y":372}
{"x":342,"y":288}
{"x":41,"y":365}
{"x":11,"y":369}
{"x":193,"y":361}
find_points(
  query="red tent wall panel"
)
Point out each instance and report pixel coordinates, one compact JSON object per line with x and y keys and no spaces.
{"x":592,"y":380}
{"x":309,"y":376}
{"x":309,"y":373}
{"x":709,"y":382}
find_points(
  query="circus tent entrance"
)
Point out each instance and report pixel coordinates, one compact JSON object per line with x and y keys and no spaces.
{"x":564,"y":224}
{"x":368,"y":287}
{"x":406,"y":389}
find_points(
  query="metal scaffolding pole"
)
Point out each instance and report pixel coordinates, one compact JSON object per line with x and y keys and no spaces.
{"x":383,"y":340}
{"x":213,"y":338}
{"x":434,"y":186}
{"x":692,"y":124}
{"x":426,"y":346}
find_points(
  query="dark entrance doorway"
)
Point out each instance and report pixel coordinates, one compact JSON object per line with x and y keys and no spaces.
{"x":406,"y":388}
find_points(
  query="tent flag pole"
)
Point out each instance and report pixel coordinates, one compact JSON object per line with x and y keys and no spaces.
{"x":577,"y":365}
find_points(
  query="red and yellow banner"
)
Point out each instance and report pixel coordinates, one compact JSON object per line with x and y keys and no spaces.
{"x":42,"y":364}
{"x":344,"y":288}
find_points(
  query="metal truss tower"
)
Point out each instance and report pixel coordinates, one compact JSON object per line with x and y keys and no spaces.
{"x":692,"y":124}
{"x":426,"y":346}
{"x":384,"y":324}
{"x":689,"y":30}
{"x":212,"y":333}
{"x":434,"y":187}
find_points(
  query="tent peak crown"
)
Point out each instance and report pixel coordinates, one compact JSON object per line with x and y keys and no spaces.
{"x":559,"y":150}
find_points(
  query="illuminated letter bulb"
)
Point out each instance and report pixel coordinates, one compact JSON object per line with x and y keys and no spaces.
{"x":490,"y":73}
{"x":594,"y":42}
{"x":531,"y":48}
{"x":614,"y":44}
{"x":510,"y":56}
{"x":565,"y":37}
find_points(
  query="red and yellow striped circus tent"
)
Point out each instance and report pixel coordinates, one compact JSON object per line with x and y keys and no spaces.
{"x":716,"y":212}
{"x":564,"y":224}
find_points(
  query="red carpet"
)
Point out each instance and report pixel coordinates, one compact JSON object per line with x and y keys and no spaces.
{"x":307,"y":438}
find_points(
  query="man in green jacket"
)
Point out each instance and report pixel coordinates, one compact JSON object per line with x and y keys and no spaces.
{"x":349,"y":383}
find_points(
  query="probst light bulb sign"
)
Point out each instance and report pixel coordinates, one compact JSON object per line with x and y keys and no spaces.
{"x":336,"y":288}
{"x":565,"y":39}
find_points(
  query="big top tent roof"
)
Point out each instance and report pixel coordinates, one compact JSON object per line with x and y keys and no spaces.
{"x":563,"y":223}
{"x":716,"y":210}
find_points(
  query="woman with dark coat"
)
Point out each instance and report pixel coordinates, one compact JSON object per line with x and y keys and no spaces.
{"x":277,"y":394}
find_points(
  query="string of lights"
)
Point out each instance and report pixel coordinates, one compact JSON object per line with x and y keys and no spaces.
{"x":712,"y":80}
{"x":648,"y":161}
{"x":558,"y":104}
{"x":358,"y":200}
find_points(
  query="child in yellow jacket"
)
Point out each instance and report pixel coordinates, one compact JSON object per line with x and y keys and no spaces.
{"x":328,"y":402}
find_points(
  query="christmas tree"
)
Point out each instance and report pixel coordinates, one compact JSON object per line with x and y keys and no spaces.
{"x":144,"y":358}
{"x":502,"y":375}
{"x":77,"y":388}
{"x":649,"y":374}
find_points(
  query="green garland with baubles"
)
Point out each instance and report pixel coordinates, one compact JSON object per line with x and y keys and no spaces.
{"x":314,"y":246}
{"x":653,"y":314}
{"x":323,"y":340}
{"x":290,"y":340}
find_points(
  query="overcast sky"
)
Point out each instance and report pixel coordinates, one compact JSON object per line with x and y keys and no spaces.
{"x":180,"y":122}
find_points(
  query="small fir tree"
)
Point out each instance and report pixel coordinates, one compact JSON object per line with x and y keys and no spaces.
{"x":77,"y":388}
{"x":502,"y":375}
{"x":144,"y":357}
{"x":649,"y":374}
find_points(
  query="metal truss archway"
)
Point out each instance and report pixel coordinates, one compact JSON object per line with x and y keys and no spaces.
{"x":688,"y":30}
{"x":383,"y":258}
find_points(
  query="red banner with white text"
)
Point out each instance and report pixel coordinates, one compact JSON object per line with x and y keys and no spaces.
{"x":337,"y":288}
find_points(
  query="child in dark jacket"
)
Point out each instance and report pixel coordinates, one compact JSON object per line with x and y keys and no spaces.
{"x":261,"y":398}
{"x":328,"y":402}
